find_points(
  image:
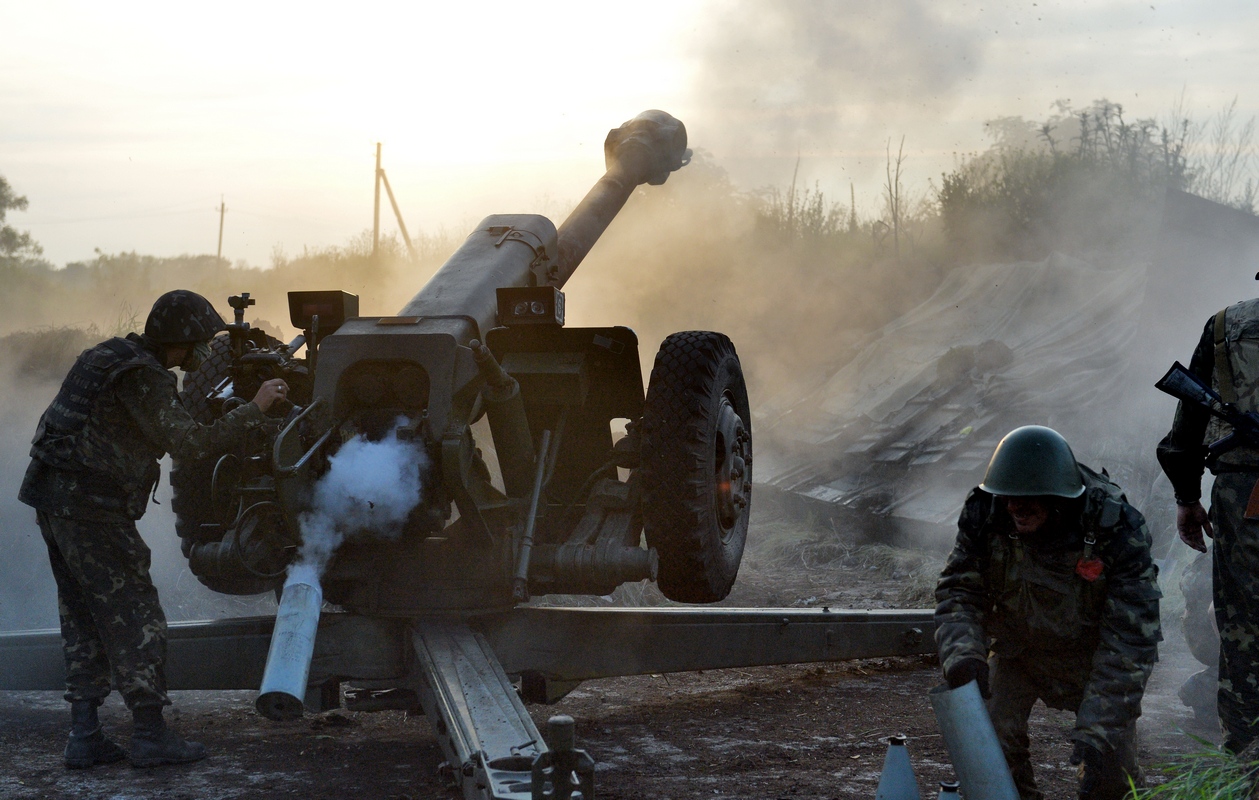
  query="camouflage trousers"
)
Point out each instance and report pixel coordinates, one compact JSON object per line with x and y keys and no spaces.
{"x":1014,"y":692}
{"x":112,"y":625}
{"x":1235,"y":574}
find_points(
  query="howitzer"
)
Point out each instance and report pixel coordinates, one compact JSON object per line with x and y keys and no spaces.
{"x":430,"y":616}
{"x":1189,"y":388}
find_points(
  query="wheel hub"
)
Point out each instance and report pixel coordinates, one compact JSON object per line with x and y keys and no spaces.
{"x":734,"y":456}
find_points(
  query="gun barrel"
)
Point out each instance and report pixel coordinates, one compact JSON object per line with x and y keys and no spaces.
{"x":644,"y":150}
{"x":526,"y":250}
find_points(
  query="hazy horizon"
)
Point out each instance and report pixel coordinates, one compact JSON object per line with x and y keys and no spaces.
{"x":124,"y":124}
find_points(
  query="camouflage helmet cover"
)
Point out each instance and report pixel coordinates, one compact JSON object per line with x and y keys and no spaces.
{"x":1033,"y":461}
{"x":182,"y":316}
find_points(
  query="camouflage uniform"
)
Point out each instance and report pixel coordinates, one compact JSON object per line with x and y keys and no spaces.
{"x":1229,"y":345}
{"x":1048,"y":631}
{"x":94,"y":462}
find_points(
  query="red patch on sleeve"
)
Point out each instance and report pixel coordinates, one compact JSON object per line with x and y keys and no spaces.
{"x":1089,"y":570}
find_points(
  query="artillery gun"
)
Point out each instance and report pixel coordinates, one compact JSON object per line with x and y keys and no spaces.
{"x":430,"y":618}
{"x":486,"y":337}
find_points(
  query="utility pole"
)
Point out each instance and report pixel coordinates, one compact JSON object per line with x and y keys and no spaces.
{"x":397,"y":213}
{"x":406,"y":237}
{"x":376,"y":210}
{"x":222,"y":211}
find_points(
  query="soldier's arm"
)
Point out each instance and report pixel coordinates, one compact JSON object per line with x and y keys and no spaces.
{"x":1182,"y":453}
{"x":150,"y":398}
{"x":1130,"y":633}
{"x":961,"y":594}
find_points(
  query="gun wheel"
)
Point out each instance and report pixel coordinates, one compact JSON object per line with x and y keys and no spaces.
{"x":697,"y":465}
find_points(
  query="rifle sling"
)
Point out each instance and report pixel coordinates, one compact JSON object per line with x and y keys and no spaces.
{"x":1223,"y":365}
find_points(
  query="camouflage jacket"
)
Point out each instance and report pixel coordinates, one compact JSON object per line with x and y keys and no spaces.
{"x":1081,"y":615}
{"x":95,"y":453}
{"x":1233,"y":335}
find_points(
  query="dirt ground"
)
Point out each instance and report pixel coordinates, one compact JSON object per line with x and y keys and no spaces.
{"x":802,"y":731}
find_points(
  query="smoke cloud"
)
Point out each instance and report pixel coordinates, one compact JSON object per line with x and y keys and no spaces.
{"x":369,"y":489}
{"x":825,"y":77}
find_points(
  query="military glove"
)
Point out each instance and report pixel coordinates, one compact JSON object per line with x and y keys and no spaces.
{"x":1089,"y":759}
{"x":967,"y":670}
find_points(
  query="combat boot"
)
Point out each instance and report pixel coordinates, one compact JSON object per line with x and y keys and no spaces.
{"x":88,"y":746}
{"x":154,"y":744}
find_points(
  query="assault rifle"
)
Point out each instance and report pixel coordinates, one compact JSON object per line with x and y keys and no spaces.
{"x":1189,"y":388}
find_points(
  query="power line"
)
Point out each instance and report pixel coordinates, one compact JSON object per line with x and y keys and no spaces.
{"x":170,"y":212}
{"x":152,"y":214}
{"x":286,"y":217}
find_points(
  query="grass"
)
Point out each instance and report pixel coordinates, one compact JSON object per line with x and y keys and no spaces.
{"x":809,"y":545}
{"x":1208,"y":774}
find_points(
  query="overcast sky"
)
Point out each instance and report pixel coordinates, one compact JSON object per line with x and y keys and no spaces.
{"x":123,"y":123}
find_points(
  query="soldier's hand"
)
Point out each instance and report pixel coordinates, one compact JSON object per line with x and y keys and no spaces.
{"x":1089,"y":759}
{"x":270,"y":392}
{"x":1191,"y":523}
{"x":967,"y":670}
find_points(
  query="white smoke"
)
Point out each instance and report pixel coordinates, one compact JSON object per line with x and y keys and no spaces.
{"x":369,"y":490}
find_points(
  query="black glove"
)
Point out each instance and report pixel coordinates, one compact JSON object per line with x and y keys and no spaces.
{"x":1089,"y":759}
{"x":967,"y":670}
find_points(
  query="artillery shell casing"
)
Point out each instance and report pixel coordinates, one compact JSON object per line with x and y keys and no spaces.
{"x":292,"y":647}
{"x":972,"y":743}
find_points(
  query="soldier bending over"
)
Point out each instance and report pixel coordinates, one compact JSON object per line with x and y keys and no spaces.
{"x":94,"y":463}
{"x":1050,"y":594}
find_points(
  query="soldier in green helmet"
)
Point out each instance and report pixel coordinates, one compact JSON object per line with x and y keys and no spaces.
{"x":1050,"y":594}
{"x":94,"y":463}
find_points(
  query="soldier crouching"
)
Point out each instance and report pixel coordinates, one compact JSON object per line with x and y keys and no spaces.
{"x":1050,"y":594}
{"x":94,"y":463}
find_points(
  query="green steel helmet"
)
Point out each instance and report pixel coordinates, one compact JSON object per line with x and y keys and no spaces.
{"x":1033,"y":461}
{"x":182,"y":316}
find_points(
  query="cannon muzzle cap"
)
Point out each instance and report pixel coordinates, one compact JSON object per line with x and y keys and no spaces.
{"x":647,"y":148}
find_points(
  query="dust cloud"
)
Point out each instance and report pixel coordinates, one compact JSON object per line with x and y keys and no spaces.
{"x":829,"y":76}
{"x":831,"y":86}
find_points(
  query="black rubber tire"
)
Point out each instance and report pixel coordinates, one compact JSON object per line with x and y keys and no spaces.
{"x":696,"y":519}
{"x":190,"y":480}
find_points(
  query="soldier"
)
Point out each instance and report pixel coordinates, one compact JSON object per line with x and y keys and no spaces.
{"x":1050,"y":594}
{"x":1227,"y":356}
{"x":94,"y":463}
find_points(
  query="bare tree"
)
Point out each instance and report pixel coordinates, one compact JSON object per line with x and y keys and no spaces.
{"x":893,"y":193}
{"x":852,"y":208}
{"x":1224,"y":166}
